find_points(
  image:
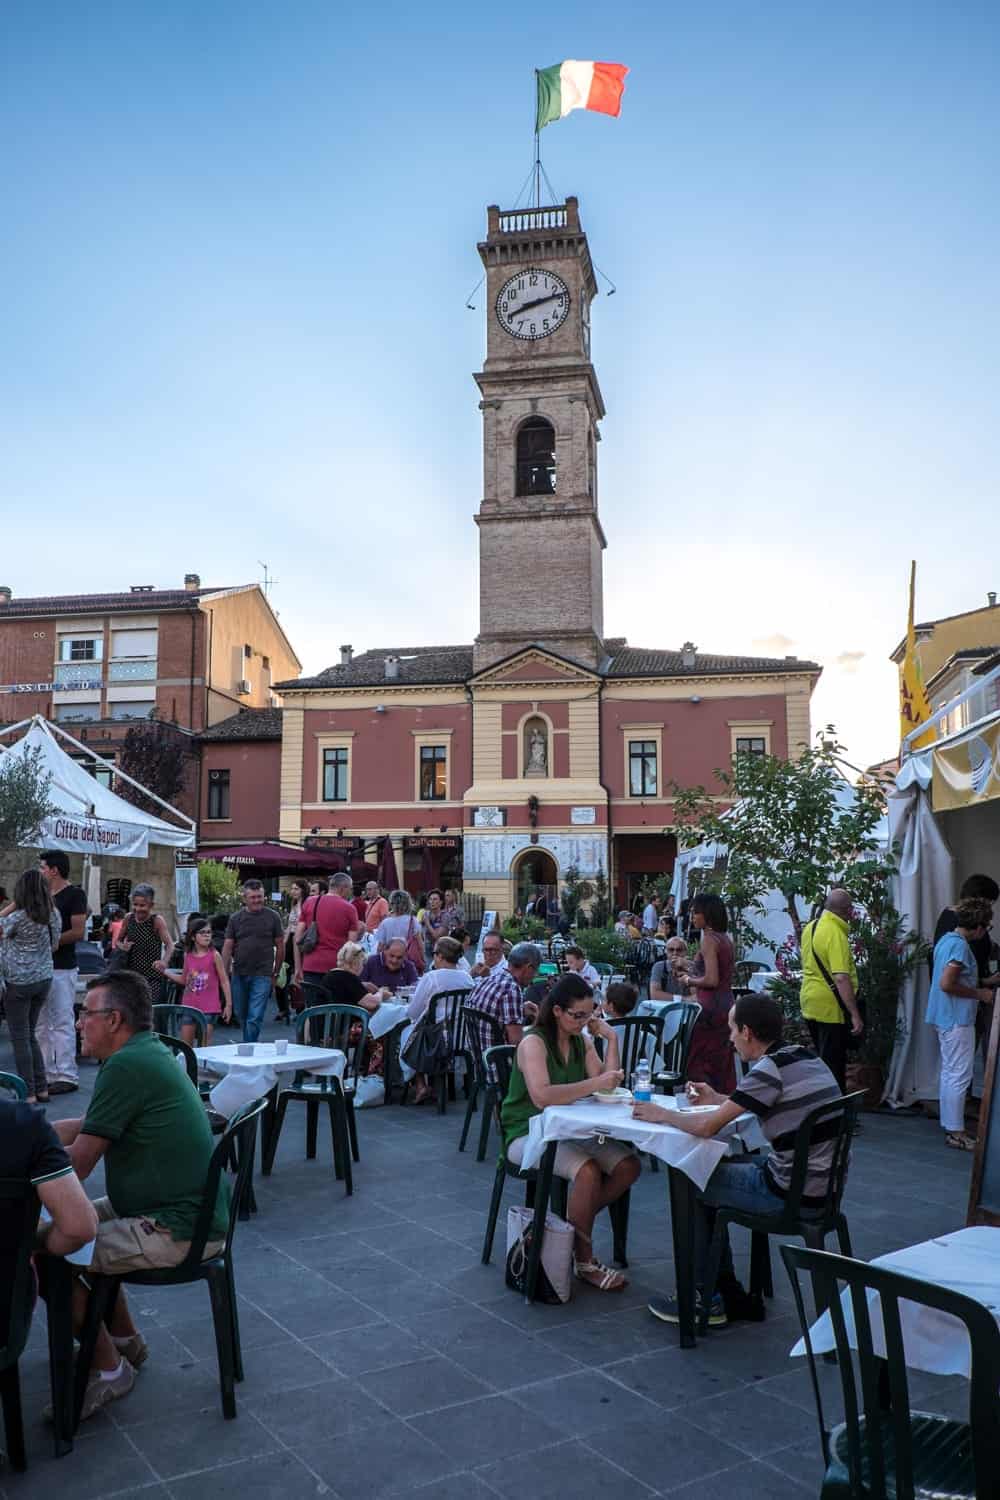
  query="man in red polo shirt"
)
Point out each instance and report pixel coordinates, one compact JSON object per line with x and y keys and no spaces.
{"x":337,"y":923}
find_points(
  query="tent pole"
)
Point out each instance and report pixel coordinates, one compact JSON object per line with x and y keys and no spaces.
{"x":117,"y":771}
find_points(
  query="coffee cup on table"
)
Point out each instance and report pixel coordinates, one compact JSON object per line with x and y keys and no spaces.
{"x":281,"y":1047}
{"x":244,"y":1049}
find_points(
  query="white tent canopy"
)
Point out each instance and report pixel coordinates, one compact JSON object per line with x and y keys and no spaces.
{"x":774,"y":923}
{"x":90,"y":818}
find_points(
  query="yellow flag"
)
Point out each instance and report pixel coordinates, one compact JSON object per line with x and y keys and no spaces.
{"x":913,"y":706}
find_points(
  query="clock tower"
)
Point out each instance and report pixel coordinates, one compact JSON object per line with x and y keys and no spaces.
{"x":540,"y":539}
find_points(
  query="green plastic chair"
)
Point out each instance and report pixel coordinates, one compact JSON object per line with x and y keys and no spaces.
{"x":181,"y":1049}
{"x":237,"y":1144}
{"x":883,"y":1447}
{"x":14,"y":1084}
{"x":168,"y":1020}
{"x":325,"y":1026}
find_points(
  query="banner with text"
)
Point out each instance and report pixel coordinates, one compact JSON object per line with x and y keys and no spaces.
{"x":967,"y":771}
{"x":97,"y":836}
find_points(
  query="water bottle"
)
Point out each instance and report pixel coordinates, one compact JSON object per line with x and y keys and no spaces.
{"x":642,"y":1084}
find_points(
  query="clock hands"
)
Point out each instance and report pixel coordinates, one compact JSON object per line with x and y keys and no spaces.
{"x":537,"y":303}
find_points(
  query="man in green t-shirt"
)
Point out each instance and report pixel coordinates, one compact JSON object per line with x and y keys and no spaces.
{"x":148,"y":1125}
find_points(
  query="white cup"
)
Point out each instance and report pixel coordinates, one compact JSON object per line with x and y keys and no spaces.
{"x":244,"y":1049}
{"x":281,"y":1048}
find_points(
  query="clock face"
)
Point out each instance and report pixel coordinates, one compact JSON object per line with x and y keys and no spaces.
{"x":532,"y":304}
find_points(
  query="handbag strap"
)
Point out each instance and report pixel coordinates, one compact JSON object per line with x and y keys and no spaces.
{"x":821,"y":966}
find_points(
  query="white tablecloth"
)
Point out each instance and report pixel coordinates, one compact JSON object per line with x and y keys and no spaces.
{"x":388,"y":1015}
{"x":967,"y":1261}
{"x":249,"y":1078}
{"x":696,"y":1157}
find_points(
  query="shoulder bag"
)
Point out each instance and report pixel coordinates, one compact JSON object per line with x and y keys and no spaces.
{"x":415,"y":947}
{"x":555,"y":1270}
{"x":428,"y":1049}
{"x":310,"y":938}
{"x":853,"y":1041}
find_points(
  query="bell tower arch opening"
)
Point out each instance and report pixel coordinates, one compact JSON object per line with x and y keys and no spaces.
{"x":536,"y":458}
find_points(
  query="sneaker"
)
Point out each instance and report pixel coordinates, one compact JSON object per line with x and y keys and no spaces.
{"x":134,"y":1348}
{"x":665,"y":1308}
{"x":101,"y":1392}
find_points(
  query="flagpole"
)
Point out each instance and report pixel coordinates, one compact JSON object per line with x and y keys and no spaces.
{"x":538,"y":159}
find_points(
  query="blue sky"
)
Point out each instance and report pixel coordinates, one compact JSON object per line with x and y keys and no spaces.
{"x":238,"y":243}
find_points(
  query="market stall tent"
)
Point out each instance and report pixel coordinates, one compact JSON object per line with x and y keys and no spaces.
{"x":89,"y":818}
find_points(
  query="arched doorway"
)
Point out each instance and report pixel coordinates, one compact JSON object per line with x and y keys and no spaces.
{"x":534,"y":870}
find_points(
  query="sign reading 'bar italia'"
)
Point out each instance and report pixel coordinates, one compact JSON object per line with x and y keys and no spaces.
{"x":579,"y":85}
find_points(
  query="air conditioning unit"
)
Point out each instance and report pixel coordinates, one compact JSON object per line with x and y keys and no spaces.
{"x":244,"y":687}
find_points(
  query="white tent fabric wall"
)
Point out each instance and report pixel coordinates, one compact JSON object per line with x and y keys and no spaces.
{"x":75,"y":794}
{"x":926,"y":885}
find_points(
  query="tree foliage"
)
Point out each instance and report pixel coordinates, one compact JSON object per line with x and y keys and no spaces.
{"x":24,"y":798}
{"x":788,"y":828}
{"x":218,"y":887}
{"x":155,"y":754}
{"x":574,"y":892}
{"x":600,"y":906}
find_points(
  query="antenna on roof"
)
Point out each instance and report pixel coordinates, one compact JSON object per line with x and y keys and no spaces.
{"x":268,"y":581}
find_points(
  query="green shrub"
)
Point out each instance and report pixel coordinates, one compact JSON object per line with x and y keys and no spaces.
{"x":218,"y":887}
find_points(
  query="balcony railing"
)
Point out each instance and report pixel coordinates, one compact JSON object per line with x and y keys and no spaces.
{"x":134,"y":670}
{"x":516,"y":221}
{"x":81,"y":675}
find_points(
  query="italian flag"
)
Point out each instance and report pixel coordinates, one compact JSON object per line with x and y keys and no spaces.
{"x":579,"y":85}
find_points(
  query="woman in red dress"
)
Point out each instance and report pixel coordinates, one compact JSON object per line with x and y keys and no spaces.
{"x":711,"y":976}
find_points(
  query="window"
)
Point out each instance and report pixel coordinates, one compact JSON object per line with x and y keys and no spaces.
{"x":751,"y":744}
{"x":218,"y":794}
{"x":433,"y":773}
{"x":77,"y":713}
{"x":131,"y":710}
{"x":536,"y":458}
{"x":335,"y":775}
{"x":642,"y":768}
{"x":88,"y":649}
{"x":126,"y":643}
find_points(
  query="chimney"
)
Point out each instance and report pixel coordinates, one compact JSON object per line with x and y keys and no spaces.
{"x":689,"y":652}
{"x":192,"y":582}
{"x":991,"y":598}
{"x":5,"y":594}
{"x":346,"y":655}
{"x":391,"y":668}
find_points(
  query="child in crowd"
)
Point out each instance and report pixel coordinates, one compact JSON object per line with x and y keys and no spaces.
{"x":620,"y":999}
{"x":204,"y":980}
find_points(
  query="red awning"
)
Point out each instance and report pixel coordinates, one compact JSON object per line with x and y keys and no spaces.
{"x":277,"y":858}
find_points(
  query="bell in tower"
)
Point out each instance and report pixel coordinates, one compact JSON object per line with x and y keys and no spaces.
{"x":540,"y":539}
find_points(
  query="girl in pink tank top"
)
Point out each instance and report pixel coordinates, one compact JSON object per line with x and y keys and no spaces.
{"x":205,"y":981}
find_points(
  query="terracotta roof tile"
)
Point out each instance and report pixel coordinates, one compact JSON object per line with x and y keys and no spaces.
{"x":248,"y":724}
{"x":637,"y":661}
{"x":418,"y":665}
{"x":88,"y":604}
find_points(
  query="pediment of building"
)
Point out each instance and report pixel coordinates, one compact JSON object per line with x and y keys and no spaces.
{"x":533,"y":664}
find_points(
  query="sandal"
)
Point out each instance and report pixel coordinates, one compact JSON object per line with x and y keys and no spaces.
{"x":604,"y":1278}
{"x":959,"y":1141}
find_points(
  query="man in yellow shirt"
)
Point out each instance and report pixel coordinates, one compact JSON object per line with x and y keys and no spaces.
{"x":829,"y":999}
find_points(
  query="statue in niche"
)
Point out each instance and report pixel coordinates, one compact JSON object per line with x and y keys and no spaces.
{"x":536,"y":759}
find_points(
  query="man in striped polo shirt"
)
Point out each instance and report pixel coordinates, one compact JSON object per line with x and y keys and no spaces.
{"x":783,"y":1083}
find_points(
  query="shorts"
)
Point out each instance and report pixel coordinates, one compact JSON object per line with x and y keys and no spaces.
{"x":572,"y":1155}
{"x":136,"y":1244}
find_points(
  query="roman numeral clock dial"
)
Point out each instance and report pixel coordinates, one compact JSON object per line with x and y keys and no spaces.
{"x":532,"y":304}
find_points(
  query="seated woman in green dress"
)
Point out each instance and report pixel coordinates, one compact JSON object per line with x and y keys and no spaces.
{"x":557,"y":1064}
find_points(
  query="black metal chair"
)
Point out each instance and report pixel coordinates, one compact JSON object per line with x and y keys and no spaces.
{"x":20,"y":1208}
{"x":326,"y":1026}
{"x":482,"y":1077}
{"x":237,"y":1144}
{"x":883,"y":1447}
{"x":446,"y":1007}
{"x":14,"y":1084}
{"x":500,"y":1061}
{"x":831,"y":1122}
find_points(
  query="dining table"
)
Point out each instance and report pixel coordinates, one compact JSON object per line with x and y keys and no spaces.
{"x":690,"y":1161}
{"x":246,"y":1076}
{"x":966,"y":1261}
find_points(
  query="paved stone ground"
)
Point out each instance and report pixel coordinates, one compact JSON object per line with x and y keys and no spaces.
{"x":383,"y":1359}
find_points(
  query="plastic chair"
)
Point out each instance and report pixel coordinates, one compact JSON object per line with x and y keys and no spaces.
{"x":181,"y":1049}
{"x":237,"y":1143}
{"x":482,"y":1077}
{"x":742,"y":971}
{"x":500,"y":1062}
{"x":883,"y":1447}
{"x":675,"y":1052}
{"x":832,"y":1121}
{"x":634,"y":1036}
{"x":14,"y":1084}
{"x":447,"y":1007}
{"x":20,"y":1206}
{"x":168,"y":1020}
{"x":325,"y":1026}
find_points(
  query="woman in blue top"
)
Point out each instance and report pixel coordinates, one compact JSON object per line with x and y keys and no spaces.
{"x":951,"y":1007}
